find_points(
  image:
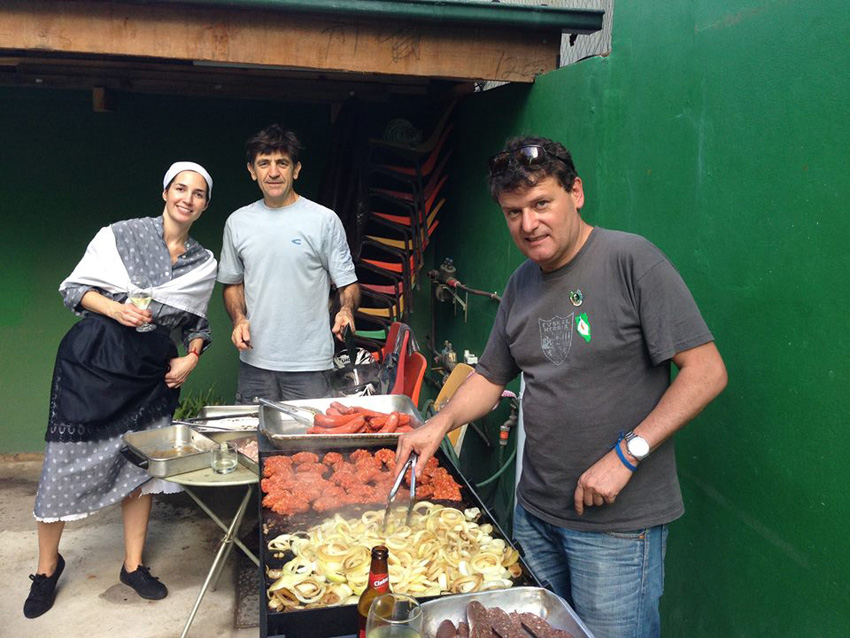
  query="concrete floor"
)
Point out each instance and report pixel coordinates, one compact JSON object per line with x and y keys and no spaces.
{"x":90,"y":599}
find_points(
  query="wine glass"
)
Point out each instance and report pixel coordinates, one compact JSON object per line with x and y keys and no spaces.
{"x":140,"y":296}
{"x":394,"y":616}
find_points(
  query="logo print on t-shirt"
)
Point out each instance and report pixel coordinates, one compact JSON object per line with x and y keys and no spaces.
{"x":556,"y":337}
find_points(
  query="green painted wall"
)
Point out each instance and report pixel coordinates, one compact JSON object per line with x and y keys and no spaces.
{"x":66,"y":171}
{"x":720,"y":131}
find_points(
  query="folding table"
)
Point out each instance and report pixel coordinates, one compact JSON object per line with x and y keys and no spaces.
{"x":207,"y":478}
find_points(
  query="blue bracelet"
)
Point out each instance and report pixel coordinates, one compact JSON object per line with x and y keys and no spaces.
{"x":622,"y":456}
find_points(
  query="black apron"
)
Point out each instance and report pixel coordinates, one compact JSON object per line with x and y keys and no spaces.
{"x":109,"y":379}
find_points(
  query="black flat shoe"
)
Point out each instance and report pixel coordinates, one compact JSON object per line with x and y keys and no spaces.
{"x":143,"y":583}
{"x":43,"y":591}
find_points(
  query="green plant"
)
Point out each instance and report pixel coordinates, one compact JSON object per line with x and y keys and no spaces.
{"x":191,"y":403}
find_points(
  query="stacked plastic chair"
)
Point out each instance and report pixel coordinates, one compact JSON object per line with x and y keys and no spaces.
{"x":403,"y":365}
{"x":403,"y":196}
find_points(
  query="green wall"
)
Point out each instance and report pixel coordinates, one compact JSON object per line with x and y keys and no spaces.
{"x":720,"y":132}
{"x":66,"y":171}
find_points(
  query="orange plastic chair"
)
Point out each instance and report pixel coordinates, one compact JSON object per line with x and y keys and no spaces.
{"x":414,"y":373}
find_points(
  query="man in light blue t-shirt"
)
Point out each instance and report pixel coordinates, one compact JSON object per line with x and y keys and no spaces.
{"x":278,"y":259}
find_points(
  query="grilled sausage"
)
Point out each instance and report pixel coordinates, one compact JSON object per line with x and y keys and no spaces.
{"x":446,"y":630}
{"x":325,"y":421}
{"x":479,"y":625}
{"x":539,"y":628}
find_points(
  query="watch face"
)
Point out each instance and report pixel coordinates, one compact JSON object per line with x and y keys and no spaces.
{"x":638,"y":447}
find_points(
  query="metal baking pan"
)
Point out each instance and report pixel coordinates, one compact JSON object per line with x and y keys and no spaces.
{"x":285,"y":433}
{"x":536,"y":600}
{"x":171,"y":450}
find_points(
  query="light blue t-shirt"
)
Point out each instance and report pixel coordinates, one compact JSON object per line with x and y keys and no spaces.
{"x":287,"y":258}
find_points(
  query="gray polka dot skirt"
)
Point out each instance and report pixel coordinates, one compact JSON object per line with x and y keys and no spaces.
{"x":78,"y":479}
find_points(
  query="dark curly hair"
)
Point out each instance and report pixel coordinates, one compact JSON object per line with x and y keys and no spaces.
{"x":271,"y":139}
{"x":557,"y":162}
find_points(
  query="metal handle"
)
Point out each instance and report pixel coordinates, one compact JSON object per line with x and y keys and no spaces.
{"x":296,"y":413}
{"x":135,"y":458}
{"x":414,"y":458}
{"x":410,"y":462}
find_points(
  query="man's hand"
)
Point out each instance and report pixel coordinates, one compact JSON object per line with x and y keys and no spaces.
{"x":343,"y":318}
{"x":349,"y":301}
{"x":423,"y":440}
{"x":179,"y":369}
{"x":241,"y":335}
{"x":601,"y":483}
{"x":474,"y":398}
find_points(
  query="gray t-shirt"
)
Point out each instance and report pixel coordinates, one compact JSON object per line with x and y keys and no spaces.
{"x":287,"y":258}
{"x":594,"y":370}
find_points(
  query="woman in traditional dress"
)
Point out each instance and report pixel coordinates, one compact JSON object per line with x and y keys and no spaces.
{"x":110,"y":378}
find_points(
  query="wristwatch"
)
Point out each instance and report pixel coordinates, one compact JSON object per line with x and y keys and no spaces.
{"x":636,"y":445}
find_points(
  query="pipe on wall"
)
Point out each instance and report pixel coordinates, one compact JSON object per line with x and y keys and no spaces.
{"x":455,"y":12}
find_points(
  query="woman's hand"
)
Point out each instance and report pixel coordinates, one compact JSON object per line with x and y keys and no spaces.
{"x":124,"y":313}
{"x":128,"y":315}
{"x":179,"y":369}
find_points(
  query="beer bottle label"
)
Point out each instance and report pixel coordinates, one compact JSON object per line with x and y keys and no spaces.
{"x":380,"y":582}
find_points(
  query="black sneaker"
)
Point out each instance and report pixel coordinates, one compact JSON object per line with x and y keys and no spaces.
{"x":146,"y":586}
{"x":43,"y":591}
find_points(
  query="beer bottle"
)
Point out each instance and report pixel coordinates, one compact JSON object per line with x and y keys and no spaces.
{"x":378,"y":583}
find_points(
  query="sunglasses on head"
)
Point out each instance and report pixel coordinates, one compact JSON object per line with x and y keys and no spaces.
{"x":528,"y":156}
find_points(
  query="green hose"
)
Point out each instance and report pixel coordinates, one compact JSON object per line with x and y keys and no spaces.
{"x":499,"y":472}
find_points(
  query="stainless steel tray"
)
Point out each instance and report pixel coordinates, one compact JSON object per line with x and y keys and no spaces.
{"x":226,"y":418}
{"x":170,"y":450}
{"x":536,"y":600}
{"x":285,"y":433}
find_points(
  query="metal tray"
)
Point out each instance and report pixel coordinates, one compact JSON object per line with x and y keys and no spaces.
{"x":170,"y":450}
{"x":285,"y":433}
{"x":226,"y":418}
{"x":536,"y":600}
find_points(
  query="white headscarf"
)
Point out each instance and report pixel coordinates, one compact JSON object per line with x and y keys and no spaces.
{"x":179,"y":167}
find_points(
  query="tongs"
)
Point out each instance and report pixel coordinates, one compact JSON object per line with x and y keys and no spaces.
{"x":410,"y":463}
{"x":301,"y":414}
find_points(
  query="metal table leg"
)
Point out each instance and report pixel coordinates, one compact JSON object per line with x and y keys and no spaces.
{"x":223,"y":527}
{"x":221,"y":555}
{"x":230,"y":539}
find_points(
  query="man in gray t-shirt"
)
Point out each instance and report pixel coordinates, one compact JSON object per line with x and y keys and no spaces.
{"x":279,"y":257}
{"x":593,"y":320}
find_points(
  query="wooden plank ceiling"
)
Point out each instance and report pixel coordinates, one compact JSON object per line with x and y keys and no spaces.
{"x":202,"y":50}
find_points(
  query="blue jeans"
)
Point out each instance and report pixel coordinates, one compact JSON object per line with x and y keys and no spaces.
{"x":280,"y":386}
{"x":613,"y":580}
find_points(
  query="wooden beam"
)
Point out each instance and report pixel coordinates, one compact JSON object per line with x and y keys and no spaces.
{"x":179,"y":78}
{"x":275,"y":39}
